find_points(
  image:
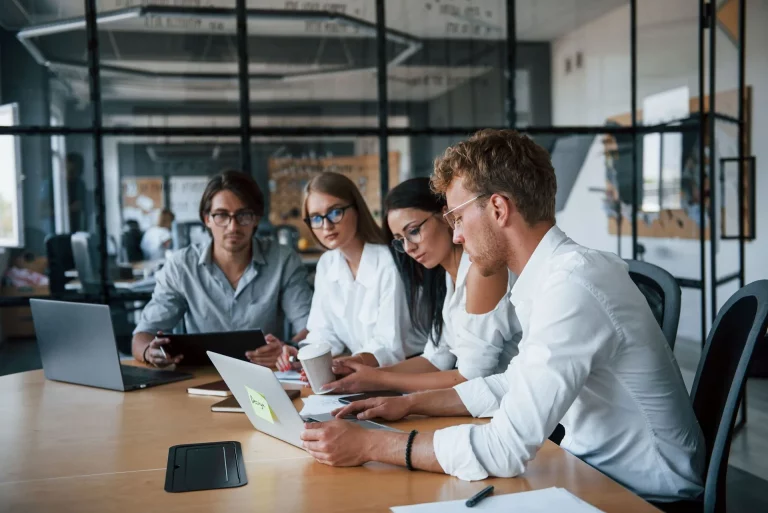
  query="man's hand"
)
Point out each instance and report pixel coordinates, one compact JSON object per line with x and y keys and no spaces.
{"x":387,"y":408}
{"x":337,"y":443}
{"x":266,"y":355}
{"x":359,"y":378}
{"x":156,"y":355}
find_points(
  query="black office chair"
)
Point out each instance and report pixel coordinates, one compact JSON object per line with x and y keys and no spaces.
{"x":130,"y":241}
{"x":662,"y":293}
{"x":58,"y":250}
{"x":719,"y":384}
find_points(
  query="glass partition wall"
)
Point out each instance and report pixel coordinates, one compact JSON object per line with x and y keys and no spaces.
{"x":125,"y":107}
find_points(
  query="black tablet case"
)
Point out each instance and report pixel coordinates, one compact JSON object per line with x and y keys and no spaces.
{"x":206,"y":466}
{"x":194,"y":346}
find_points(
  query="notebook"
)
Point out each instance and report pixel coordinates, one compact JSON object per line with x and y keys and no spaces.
{"x":216,"y":388}
{"x":230,"y":404}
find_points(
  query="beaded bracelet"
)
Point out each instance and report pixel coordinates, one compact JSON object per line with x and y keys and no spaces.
{"x":408,"y":447}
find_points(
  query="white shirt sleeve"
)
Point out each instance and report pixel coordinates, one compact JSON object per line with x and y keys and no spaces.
{"x":319,"y":322}
{"x":440,"y":356}
{"x":566,"y":334}
{"x":391,"y":330}
{"x":480,"y":340}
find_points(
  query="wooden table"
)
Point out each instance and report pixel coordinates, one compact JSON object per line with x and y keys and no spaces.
{"x":67,"y":448}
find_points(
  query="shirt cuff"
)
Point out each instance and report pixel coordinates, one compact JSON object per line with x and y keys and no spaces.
{"x":443,"y":360}
{"x":453,"y":450}
{"x":384,"y":357}
{"x":149,"y":328}
{"x":477,"y":398}
{"x":300,"y":324}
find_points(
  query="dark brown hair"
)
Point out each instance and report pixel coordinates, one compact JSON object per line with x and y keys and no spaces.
{"x":502,"y":161}
{"x":339,"y":186}
{"x":240,"y":184}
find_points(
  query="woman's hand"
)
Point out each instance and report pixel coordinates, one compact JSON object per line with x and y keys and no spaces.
{"x":284,"y":361}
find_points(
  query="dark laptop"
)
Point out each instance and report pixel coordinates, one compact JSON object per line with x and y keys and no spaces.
{"x":77,"y":345}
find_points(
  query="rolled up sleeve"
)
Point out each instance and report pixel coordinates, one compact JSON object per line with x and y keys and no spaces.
{"x":483,"y":341}
{"x":168,"y":304}
{"x":453,"y":450}
{"x":296,"y":296}
{"x":391,"y":331}
{"x":319,"y":319}
{"x":440,"y":356}
{"x":556,"y":356}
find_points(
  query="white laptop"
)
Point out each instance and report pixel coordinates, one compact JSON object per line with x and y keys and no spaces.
{"x":266,"y":403}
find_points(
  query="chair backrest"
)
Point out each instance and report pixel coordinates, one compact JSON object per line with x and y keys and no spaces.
{"x":720,"y":379}
{"x":184,"y":233}
{"x":85,"y":262}
{"x":287,"y":235}
{"x":58,"y":249}
{"x":662,"y":293}
{"x":130,"y":240}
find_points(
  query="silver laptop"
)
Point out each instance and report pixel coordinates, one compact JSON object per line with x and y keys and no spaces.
{"x":245,"y":380}
{"x":77,"y":345}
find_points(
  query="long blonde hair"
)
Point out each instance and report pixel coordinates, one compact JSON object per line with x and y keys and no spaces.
{"x":339,"y":186}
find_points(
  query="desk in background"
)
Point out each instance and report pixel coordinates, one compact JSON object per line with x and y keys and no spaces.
{"x":67,"y":448}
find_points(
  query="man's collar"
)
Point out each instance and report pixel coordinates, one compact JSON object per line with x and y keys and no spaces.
{"x":257,"y":255}
{"x":530,"y":278}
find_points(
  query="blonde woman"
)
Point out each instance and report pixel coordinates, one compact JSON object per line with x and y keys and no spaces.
{"x":359,"y":305}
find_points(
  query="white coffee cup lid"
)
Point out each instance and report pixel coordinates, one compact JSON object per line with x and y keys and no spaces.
{"x":314,"y":350}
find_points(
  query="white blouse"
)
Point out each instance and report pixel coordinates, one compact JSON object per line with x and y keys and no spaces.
{"x":367,"y":314}
{"x":478,"y":345}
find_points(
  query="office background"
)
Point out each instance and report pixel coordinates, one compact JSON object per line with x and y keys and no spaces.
{"x":157,"y":95}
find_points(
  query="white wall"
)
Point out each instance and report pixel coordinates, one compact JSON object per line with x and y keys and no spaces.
{"x":667,"y":58}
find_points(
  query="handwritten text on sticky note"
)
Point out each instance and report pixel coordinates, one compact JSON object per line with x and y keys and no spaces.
{"x":260,"y":406}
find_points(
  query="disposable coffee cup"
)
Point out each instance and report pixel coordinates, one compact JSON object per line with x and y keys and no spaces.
{"x":317,"y":361}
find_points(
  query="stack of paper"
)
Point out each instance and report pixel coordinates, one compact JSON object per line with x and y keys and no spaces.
{"x":537,"y":501}
{"x":320,"y":404}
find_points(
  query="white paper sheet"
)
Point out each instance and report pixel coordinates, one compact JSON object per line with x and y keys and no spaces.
{"x":537,"y":501}
{"x":319,"y":404}
{"x":288,"y":377}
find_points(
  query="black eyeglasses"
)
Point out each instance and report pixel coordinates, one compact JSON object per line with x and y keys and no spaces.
{"x":244,"y":218}
{"x":334,"y":216}
{"x":412,"y":235}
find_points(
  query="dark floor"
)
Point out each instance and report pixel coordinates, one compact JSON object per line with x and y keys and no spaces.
{"x":747,"y":493}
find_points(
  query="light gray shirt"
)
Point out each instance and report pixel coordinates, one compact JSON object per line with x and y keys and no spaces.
{"x":191,"y":285}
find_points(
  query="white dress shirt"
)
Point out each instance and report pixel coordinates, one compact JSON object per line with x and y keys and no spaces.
{"x":367,"y":314}
{"x":478,"y":345}
{"x":593,"y":358}
{"x":153,"y":242}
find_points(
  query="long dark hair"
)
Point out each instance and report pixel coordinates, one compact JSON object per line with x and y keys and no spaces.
{"x":424,"y":287}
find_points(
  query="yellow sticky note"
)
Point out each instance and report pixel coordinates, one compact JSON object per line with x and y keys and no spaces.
{"x":260,"y":406}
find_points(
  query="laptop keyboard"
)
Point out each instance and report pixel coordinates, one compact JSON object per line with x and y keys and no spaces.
{"x":138,"y":375}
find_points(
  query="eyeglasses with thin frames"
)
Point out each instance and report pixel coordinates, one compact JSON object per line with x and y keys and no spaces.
{"x":452,"y":218}
{"x":412,"y":235}
{"x":244,"y":218}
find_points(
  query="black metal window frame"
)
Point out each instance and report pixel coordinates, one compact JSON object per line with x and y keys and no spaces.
{"x":383,"y":131}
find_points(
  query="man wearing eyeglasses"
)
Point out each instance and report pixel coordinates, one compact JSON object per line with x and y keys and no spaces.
{"x":235,"y":282}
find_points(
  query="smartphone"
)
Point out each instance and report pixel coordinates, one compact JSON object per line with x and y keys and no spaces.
{"x":368,"y":395}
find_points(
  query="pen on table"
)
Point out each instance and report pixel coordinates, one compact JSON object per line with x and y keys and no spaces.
{"x":482,"y":494}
